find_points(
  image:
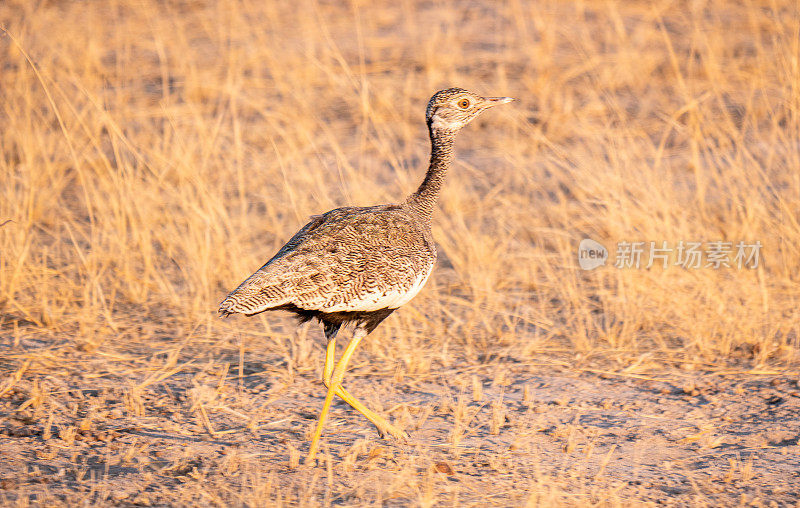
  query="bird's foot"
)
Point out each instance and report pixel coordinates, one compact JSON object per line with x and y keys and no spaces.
{"x":392,"y":431}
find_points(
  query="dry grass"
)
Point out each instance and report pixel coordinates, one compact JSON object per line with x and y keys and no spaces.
{"x":154,"y":154}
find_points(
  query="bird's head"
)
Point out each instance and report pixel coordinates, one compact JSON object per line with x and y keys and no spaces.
{"x":450,"y":110}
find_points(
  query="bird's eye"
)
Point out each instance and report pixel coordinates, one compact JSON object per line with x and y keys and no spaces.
{"x":463,"y":103}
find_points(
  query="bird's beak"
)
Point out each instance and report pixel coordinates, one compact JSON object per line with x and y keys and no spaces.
{"x":495,"y":101}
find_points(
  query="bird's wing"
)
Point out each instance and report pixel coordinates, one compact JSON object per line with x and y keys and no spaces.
{"x":349,"y":259}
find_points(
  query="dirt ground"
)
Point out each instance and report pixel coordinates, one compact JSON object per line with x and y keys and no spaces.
{"x":494,"y":431}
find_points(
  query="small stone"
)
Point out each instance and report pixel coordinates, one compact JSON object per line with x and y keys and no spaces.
{"x":443,"y":467}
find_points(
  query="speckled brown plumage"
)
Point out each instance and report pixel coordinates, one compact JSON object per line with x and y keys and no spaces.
{"x":342,"y":263}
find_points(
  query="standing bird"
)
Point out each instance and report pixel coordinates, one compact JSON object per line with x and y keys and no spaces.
{"x":358,"y":264}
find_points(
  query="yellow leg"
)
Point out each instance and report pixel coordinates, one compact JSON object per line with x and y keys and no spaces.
{"x":380,"y":423}
{"x":312,"y":452}
{"x":335,"y":382}
{"x":333,"y":379}
{"x":327,"y":373}
{"x":327,"y":370}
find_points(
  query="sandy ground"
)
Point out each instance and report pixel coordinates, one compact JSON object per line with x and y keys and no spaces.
{"x":498,"y":432}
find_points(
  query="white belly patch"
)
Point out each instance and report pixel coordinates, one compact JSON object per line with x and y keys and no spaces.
{"x":388,"y":299}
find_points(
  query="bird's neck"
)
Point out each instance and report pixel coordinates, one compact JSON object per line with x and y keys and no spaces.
{"x":423,"y":201}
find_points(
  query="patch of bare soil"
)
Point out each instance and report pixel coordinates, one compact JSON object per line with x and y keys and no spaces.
{"x":506,"y":433}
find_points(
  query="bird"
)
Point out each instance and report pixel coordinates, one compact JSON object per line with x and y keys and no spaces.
{"x":357,"y":265}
